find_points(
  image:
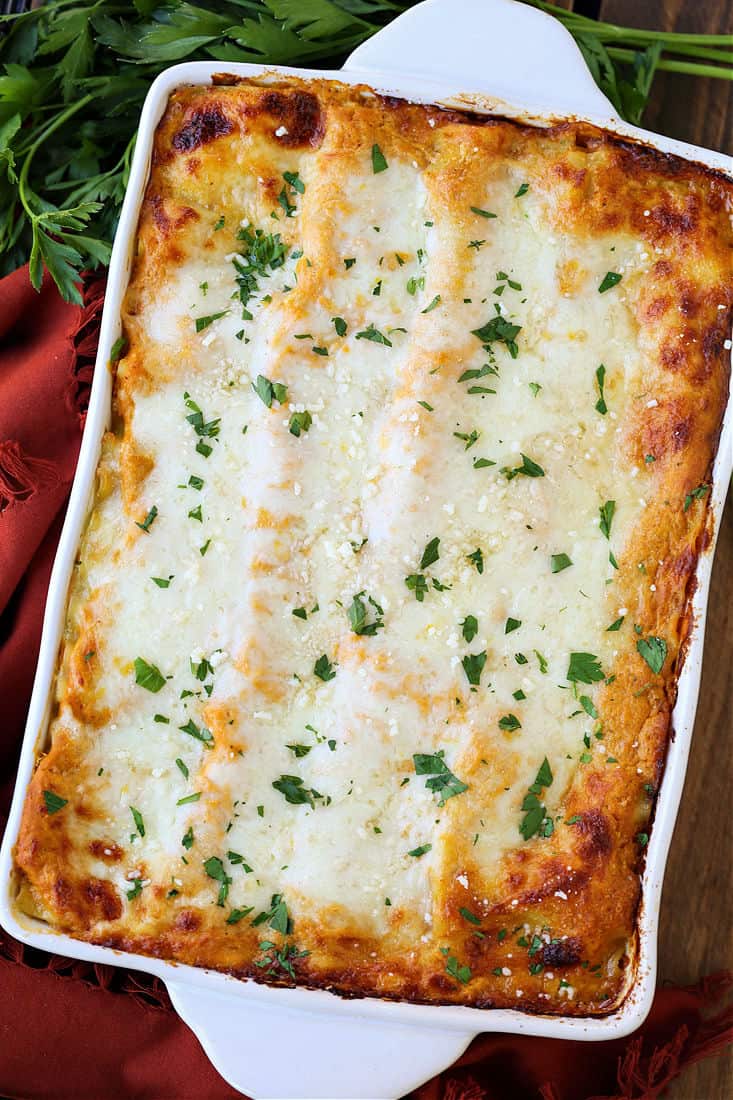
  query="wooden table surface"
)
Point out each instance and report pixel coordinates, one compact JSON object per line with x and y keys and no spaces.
{"x":697,"y":904}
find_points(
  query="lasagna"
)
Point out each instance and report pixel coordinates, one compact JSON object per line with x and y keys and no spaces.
{"x":374,"y":633}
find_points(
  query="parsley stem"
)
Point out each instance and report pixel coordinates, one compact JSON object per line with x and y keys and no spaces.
{"x":671,"y":66}
{"x":44,"y":134}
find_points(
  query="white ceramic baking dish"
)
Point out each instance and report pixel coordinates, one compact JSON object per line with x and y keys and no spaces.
{"x":494,"y":55}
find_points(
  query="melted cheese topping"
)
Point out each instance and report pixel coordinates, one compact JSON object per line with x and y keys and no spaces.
{"x":364,"y":567}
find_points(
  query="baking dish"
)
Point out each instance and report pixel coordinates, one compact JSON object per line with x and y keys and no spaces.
{"x":337,"y":1047}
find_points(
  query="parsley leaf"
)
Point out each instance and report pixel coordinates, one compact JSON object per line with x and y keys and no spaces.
{"x":215,"y":869}
{"x":476,"y":558}
{"x":373,"y":334}
{"x":558,"y":562}
{"x":654,"y":652}
{"x":499,"y":330}
{"x":528,"y":469}
{"x":358,"y":614}
{"x":300,"y":422}
{"x":442,"y":782}
{"x":473,"y":666}
{"x":431,"y":553}
{"x":268,"y":391}
{"x":323,"y":669}
{"x":610,"y":279}
{"x":379,"y":162}
{"x":469,"y":628}
{"x":606,"y":512}
{"x":584,"y":668}
{"x":535,"y":818}
{"x":695,"y":494}
{"x":148,"y":676}
{"x":600,"y":404}
{"x":53,"y":802}
{"x":509,"y":722}
{"x":294,"y":792}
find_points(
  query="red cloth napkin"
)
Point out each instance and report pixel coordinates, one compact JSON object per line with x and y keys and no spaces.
{"x":75,"y":1031}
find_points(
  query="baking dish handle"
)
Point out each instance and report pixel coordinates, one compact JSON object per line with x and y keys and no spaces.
{"x":507,"y":50}
{"x":268,"y":1052}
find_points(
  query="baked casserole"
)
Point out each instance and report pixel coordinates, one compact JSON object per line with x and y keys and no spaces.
{"x":374,"y":633}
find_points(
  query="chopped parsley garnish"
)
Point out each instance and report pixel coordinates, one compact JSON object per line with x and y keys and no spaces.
{"x":204,"y":322}
{"x":469,"y":916}
{"x":611,"y":278}
{"x":196,"y":514}
{"x":293,"y":180}
{"x":415,"y":283}
{"x":417,"y":583}
{"x":263,"y":251}
{"x":442,"y":781}
{"x":512,"y":625}
{"x":476,"y":558}
{"x":279,"y":962}
{"x":299,"y":751}
{"x":588,"y":706}
{"x":323,"y":669}
{"x":358,"y":615}
{"x":431,"y":553}
{"x":373,"y":334}
{"x":299,"y":612}
{"x":182,"y":767}
{"x":148,"y":676}
{"x":162,"y":582}
{"x":606,"y":512}
{"x":528,"y":469}
{"x":294,"y":792}
{"x":426,"y":405}
{"x":695,"y":494}
{"x":215,"y":869}
{"x":219,"y":224}
{"x":482,"y":463}
{"x":601,"y":405}
{"x":118,"y":349}
{"x":509,"y":722}
{"x":204,"y":548}
{"x":53,"y":802}
{"x":469,"y":627}
{"x":469,"y":438}
{"x":239,"y":914}
{"x":616,"y":625}
{"x":499,"y":330}
{"x":522,"y":190}
{"x":535,"y":818}
{"x":319,"y":351}
{"x":299,"y":422}
{"x":187,"y":838}
{"x":199,"y":733}
{"x":558,"y":562}
{"x":268,"y":391}
{"x":147,"y":523}
{"x":136,"y":890}
{"x":137,"y":817}
{"x":473,"y":666}
{"x":654,"y":652}
{"x":421,"y":850}
{"x":349,"y":262}
{"x":379,"y":162}
{"x":535,"y":388}
{"x":340,"y":326}
{"x":462,"y":974}
{"x":435,"y":302}
{"x":584,"y":668}
{"x":482,"y":213}
{"x":204,"y":429}
{"x":196,"y":482}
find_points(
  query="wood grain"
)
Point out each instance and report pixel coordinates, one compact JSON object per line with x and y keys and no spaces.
{"x":695,"y":934}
